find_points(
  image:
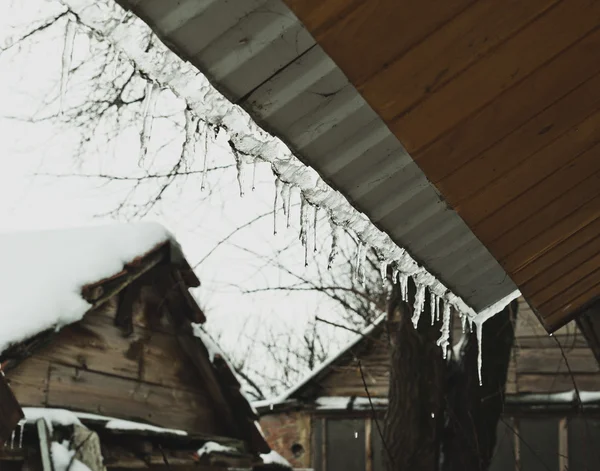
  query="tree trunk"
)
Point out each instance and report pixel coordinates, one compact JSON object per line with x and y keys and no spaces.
{"x":473,"y":411}
{"x":415,"y":417}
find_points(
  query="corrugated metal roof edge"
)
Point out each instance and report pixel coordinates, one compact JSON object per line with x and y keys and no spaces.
{"x":185,"y":81}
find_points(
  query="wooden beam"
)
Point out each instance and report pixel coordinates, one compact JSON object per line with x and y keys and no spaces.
{"x":43,"y":437}
{"x":10,"y":410}
{"x":588,"y":322}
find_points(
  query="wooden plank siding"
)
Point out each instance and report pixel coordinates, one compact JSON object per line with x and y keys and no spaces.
{"x":499,"y":104}
{"x":91,"y":366}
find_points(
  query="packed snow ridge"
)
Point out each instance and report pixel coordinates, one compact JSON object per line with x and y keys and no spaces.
{"x":204,"y":104}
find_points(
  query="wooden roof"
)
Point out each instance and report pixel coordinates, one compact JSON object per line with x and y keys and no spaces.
{"x":499,"y":105}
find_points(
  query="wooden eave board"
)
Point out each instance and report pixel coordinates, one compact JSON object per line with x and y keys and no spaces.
{"x":498,"y":103}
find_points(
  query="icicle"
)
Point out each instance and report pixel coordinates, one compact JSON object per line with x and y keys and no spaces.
{"x":152,"y":90}
{"x":463,"y":322}
{"x":479,"y":329}
{"x":286,"y":198}
{"x":359,"y":272}
{"x":203,"y":130}
{"x":395,"y":273}
{"x":271,"y":406}
{"x":191,"y":127}
{"x":433,"y":306}
{"x":403,"y":278}
{"x":335,"y":240}
{"x":276,"y":203}
{"x":418,"y":305}
{"x":304,"y":223}
{"x":444,"y":339}
{"x":316,"y":219}
{"x":12,"y":439}
{"x":240,"y":165}
{"x":254,"y":174}
{"x":383,"y":264}
{"x":21,"y":430}
{"x":67,"y":58}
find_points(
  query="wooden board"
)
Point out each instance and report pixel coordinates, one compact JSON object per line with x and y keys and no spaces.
{"x":29,"y":382}
{"x":554,"y":383}
{"x":73,"y":388}
{"x":498,"y":104}
{"x":447,"y":52}
{"x":551,"y":360}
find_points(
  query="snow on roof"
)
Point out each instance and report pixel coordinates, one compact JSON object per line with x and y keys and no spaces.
{"x":62,"y":458}
{"x":214,"y":447}
{"x":275,"y":458}
{"x":42,"y":273}
{"x":66,"y":417}
{"x":351,"y":403}
{"x":322,"y":367}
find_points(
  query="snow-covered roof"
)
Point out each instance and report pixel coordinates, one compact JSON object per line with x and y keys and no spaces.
{"x":42,"y":273}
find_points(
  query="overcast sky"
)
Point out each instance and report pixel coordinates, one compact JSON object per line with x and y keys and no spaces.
{"x":30,"y":200}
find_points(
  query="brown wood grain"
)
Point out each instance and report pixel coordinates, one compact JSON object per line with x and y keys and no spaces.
{"x":514,"y":60}
{"x":318,"y":15}
{"x":583,"y":240}
{"x":29,"y":382}
{"x":549,"y":227}
{"x":559,"y":288}
{"x":553,"y":274}
{"x":74,"y":388}
{"x":539,"y":196}
{"x":445,"y":53}
{"x":575,"y":296}
{"x":528,"y":182}
{"x":524,"y":157}
{"x":515,"y":123}
{"x":372,"y":34}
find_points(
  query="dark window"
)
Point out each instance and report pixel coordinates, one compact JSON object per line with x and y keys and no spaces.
{"x":584,"y":444}
{"x":538,"y":444}
{"x":504,"y":453}
{"x":377,"y":446}
{"x":317,"y":444}
{"x":345,"y":448}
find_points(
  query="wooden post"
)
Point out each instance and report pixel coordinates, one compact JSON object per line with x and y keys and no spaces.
{"x":10,"y":410}
{"x":44,"y":440}
{"x":563,"y":445}
{"x":368,"y":444}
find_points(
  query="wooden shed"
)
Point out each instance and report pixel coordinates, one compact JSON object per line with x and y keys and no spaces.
{"x":329,"y":421}
{"x":102,"y":346}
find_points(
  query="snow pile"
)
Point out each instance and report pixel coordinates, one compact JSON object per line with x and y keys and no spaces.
{"x":352,"y":403}
{"x":118,"y":424}
{"x":42,"y":273}
{"x":275,"y":458}
{"x":50,"y":416}
{"x":62,"y":458}
{"x":214,"y":447}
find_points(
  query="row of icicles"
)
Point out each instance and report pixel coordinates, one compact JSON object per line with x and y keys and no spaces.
{"x":21,"y":429}
{"x":197,"y":134}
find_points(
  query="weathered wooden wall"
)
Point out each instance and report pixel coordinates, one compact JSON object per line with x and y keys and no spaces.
{"x":345,"y":378}
{"x":537,"y":364}
{"x":91,"y":366}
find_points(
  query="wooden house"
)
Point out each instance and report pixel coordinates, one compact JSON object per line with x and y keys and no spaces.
{"x":329,"y":422}
{"x":101,"y":344}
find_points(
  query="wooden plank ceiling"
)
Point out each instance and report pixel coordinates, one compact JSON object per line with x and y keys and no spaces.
{"x":498,"y":102}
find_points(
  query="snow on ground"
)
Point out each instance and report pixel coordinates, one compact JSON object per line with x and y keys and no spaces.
{"x":62,"y":456}
{"x":42,"y":273}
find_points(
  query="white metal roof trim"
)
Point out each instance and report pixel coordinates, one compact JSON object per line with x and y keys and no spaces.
{"x":305,"y":100}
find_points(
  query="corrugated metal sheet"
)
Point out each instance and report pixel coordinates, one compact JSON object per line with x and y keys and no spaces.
{"x":261,"y":57}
